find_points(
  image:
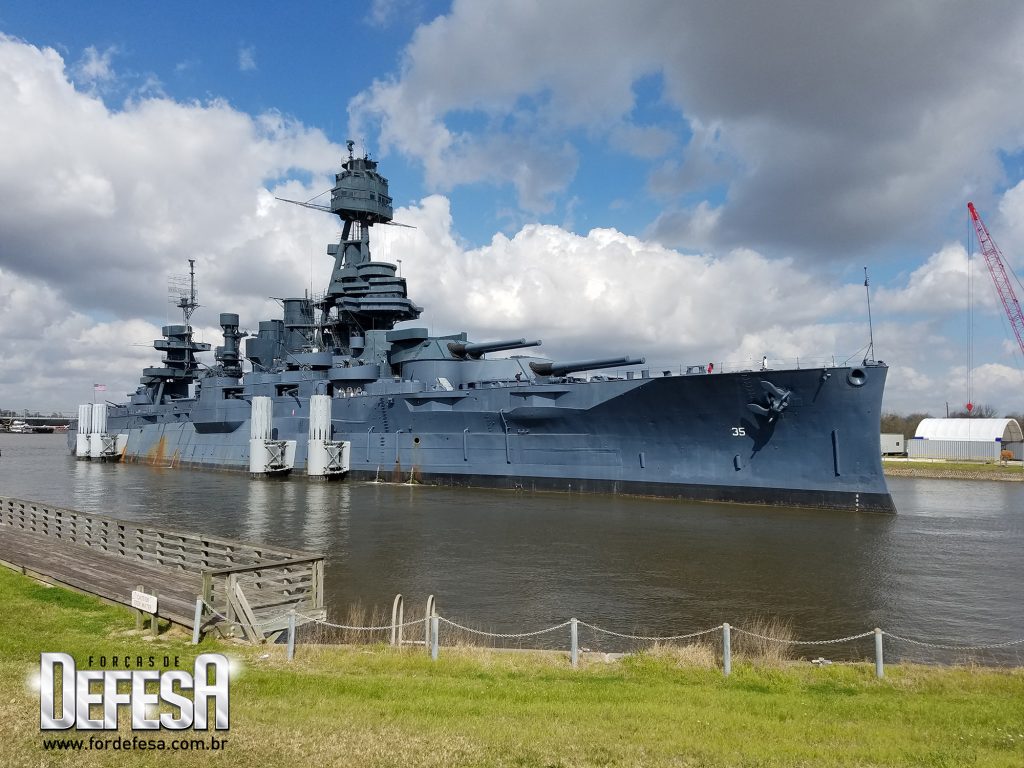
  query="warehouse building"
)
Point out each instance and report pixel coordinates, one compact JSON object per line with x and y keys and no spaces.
{"x":966,"y":439}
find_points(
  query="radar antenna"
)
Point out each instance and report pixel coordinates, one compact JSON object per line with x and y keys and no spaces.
{"x":181,"y":291}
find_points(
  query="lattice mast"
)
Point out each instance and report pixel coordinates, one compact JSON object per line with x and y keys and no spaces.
{"x":996,"y":267}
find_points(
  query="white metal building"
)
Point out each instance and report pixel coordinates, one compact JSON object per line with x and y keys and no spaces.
{"x":966,"y":439}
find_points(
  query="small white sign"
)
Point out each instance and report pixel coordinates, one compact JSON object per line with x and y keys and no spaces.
{"x":143,"y":601}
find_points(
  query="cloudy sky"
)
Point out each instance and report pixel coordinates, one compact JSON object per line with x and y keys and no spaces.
{"x":687,"y":181}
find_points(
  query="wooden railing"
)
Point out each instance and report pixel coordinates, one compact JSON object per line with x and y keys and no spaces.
{"x":254,"y":586}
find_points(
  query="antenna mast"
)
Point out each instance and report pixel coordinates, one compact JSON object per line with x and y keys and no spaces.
{"x":871,"y":329}
{"x":187,"y":302}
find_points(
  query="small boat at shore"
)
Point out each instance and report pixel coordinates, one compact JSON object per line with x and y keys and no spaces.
{"x":24,"y":428}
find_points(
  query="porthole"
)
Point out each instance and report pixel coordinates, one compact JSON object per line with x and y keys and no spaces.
{"x":415,"y":441}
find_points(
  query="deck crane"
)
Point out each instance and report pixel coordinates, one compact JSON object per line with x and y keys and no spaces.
{"x":994,"y":260}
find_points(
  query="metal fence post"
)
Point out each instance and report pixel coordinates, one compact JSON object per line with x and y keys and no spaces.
{"x":879,"y":665}
{"x":574,"y":652}
{"x":397,"y":619}
{"x":138,"y":613}
{"x":433,"y":637}
{"x":197,"y":621}
{"x":154,"y":622}
{"x":726,"y":650}
{"x":431,"y":610}
{"x":291,"y":634}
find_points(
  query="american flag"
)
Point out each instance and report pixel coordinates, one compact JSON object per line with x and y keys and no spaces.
{"x":99,"y":387}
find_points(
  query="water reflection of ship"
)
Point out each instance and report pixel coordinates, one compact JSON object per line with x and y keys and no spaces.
{"x":316,"y":513}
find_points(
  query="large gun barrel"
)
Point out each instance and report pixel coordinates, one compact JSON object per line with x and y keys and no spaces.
{"x":561,"y":369}
{"x":474,"y":350}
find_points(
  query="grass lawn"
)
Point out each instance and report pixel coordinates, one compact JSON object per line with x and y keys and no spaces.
{"x":979,"y":467}
{"x":375,"y":706}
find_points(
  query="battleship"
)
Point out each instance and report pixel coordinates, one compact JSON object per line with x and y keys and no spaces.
{"x":335,"y":388}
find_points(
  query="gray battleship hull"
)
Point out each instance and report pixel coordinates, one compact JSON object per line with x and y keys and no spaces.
{"x":400,"y":404}
{"x":687,"y":437}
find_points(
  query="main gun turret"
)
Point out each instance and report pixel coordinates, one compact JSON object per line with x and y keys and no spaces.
{"x":462,"y":349}
{"x":562,"y":369}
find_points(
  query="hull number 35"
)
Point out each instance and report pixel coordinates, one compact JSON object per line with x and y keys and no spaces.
{"x":738,"y":432}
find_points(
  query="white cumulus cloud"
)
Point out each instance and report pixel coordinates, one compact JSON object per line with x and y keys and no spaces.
{"x":95,"y":67}
{"x":102,"y":204}
{"x":818,"y":129}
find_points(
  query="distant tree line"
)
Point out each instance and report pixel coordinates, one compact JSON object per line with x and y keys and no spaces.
{"x":894,"y":423}
{"x":7,"y":413}
{"x":907,"y":425}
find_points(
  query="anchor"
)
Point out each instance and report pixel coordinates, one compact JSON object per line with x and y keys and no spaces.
{"x":778,"y":401}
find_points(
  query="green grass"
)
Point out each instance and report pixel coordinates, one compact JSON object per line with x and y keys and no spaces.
{"x":373,"y":706}
{"x":954,"y":466}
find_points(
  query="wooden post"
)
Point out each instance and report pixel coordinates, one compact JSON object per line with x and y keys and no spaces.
{"x":319,"y":571}
{"x":208,"y":588}
{"x":229,"y":588}
{"x":243,"y":612}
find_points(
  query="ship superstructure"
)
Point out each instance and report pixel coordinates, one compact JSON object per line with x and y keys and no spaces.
{"x":336,"y":389}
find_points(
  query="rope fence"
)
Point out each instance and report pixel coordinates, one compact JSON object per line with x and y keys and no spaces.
{"x":787,"y":641}
{"x":649,"y":638}
{"x":432,"y":622}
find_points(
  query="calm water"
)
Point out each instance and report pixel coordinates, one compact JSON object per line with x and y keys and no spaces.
{"x":948,"y":568}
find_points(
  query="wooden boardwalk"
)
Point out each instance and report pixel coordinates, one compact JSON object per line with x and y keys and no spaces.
{"x":254,"y":587}
{"x":97,"y":573}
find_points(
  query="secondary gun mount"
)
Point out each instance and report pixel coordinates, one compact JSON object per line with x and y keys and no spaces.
{"x":462,"y":349}
{"x":562,"y":369}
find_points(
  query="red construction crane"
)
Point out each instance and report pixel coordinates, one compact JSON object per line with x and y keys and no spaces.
{"x":994,"y":260}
